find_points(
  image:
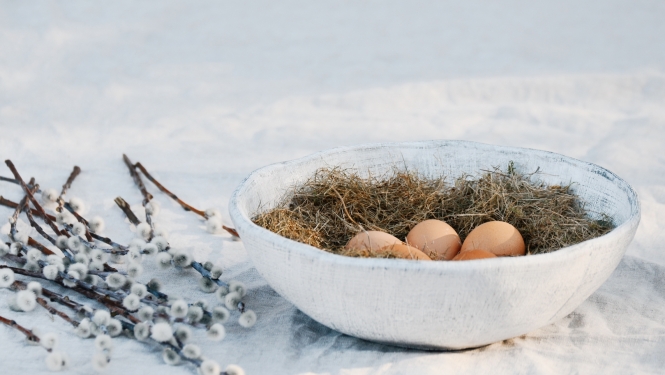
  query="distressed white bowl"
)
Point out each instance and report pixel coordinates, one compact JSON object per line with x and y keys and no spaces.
{"x":443,"y":305}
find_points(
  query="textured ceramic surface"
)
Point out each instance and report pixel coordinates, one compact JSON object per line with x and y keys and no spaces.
{"x":445,"y":305}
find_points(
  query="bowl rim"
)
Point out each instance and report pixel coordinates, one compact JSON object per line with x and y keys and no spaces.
{"x":246,"y":226}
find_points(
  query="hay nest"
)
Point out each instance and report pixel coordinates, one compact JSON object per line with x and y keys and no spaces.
{"x":335,"y":204}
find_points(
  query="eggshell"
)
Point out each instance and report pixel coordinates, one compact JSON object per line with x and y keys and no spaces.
{"x":474,"y":254}
{"x":372,"y":240}
{"x":435,"y":238}
{"x":404,"y":252}
{"x":497,"y":237}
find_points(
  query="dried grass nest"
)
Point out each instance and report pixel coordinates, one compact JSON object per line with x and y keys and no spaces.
{"x":335,"y":204}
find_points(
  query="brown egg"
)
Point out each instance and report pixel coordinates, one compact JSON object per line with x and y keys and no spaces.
{"x":405,"y":252}
{"x":435,"y":238}
{"x":474,"y":254}
{"x":497,"y":237}
{"x":372,"y":240}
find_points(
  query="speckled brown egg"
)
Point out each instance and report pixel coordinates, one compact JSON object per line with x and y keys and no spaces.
{"x":405,"y":252}
{"x":497,"y":237}
{"x":474,"y":254}
{"x":435,"y":238}
{"x":372,"y":240}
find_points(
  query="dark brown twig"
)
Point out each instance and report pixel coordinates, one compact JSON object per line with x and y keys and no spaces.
{"x":33,"y":200}
{"x":185,"y":206}
{"x":124,"y":206}
{"x":67,"y":186}
{"x":137,"y":178}
{"x":20,"y":285}
{"x":166,"y":191}
{"x":7,"y":203}
{"x":28,"y":333}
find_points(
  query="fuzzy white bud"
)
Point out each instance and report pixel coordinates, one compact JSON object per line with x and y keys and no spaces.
{"x":35,"y":287}
{"x":153,"y":208}
{"x":160,"y":242}
{"x":215,"y":272}
{"x":170,"y":357}
{"x":137,"y":244}
{"x":220,"y":314}
{"x":194,"y":313}
{"x":15,"y":248}
{"x":134,"y":255}
{"x":48,"y":340}
{"x":134,"y":270}
{"x":209,"y":367}
{"x":179,"y":309}
{"x":131,"y":302}
{"x":191,"y":351}
{"x":78,"y":229}
{"x":100,"y":361}
{"x":150,"y":249}
{"x":97,"y":224}
{"x":7,"y":277}
{"x":74,"y":244}
{"x":56,"y":361}
{"x":183,"y":333}
{"x":53,"y":259}
{"x":206,"y":285}
{"x":101,"y":317}
{"x":141,"y":331}
{"x":50,"y":271}
{"x":65,"y":217}
{"x":22,"y":236}
{"x":182,"y":259}
{"x":61,"y":242}
{"x":231,"y":300}
{"x":162,"y":332}
{"x":216,"y":332}
{"x":238,"y":287}
{"x":164,"y":260}
{"x":81,"y":258}
{"x":114,"y":327}
{"x":26,"y":300}
{"x":143,"y":230}
{"x":49,"y":195}
{"x":115,"y":280}
{"x":213,"y":225}
{"x":221,"y":293}
{"x":34,"y":255}
{"x":146,"y":313}
{"x":80,"y":268}
{"x":213,"y":213}
{"x":77,"y":204}
{"x":234,"y":370}
{"x":103,"y":342}
{"x":84,"y":329}
{"x":98,"y":255}
{"x":32,"y":267}
{"x":139,"y":290}
{"x":247,"y":319}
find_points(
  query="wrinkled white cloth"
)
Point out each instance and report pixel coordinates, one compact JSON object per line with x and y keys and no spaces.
{"x":203,"y":93}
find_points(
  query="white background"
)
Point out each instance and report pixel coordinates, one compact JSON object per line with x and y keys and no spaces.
{"x":202,"y":93}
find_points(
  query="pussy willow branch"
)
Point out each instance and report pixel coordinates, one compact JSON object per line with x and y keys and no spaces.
{"x":185,"y":206}
{"x":8,"y":203}
{"x":137,"y":178}
{"x":20,"y":285}
{"x":110,"y":299}
{"x":124,"y":206}
{"x":50,"y":239}
{"x":33,"y":200}
{"x":166,"y":191}
{"x":14,"y":181}
{"x":67,"y":186}
{"x":20,"y":207}
{"x":97,"y":237}
{"x":28,"y":333}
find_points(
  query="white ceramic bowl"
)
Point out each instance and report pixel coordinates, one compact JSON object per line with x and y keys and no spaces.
{"x":443,"y":305}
